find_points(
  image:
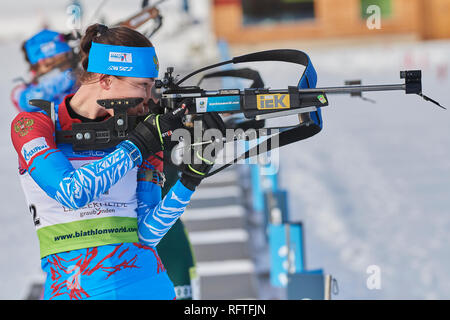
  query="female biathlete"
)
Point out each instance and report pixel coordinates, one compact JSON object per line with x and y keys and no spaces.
{"x":53,"y":70}
{"x":99,"y":213}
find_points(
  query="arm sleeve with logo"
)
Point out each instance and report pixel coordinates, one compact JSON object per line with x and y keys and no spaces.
{"x":33,"y":139}
{"x":156,"y":216}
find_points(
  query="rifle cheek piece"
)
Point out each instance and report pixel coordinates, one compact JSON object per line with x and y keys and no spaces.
{"x":96,"y":135}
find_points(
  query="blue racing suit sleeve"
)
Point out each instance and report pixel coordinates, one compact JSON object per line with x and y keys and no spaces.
{"x":148,"y":192}
{"x":155,"y":218}
{"x":80,"y":187}
{"x":76,"y":188}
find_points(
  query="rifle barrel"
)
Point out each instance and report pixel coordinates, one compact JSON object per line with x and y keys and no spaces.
{"x":333,"y":90}
{"x":355,"y":89}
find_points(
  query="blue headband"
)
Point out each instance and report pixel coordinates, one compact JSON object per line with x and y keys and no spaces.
{"x":139,"y":62}
{"x":45,"y":44}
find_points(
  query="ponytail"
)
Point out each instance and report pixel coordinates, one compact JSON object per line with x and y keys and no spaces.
{"x":96,"y":33}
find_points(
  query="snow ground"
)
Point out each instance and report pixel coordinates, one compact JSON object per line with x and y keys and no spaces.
{"x":371,"y":189}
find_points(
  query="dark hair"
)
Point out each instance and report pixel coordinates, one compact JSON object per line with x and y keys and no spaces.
{"x":32,"y":67}
{"x":99,"y":33}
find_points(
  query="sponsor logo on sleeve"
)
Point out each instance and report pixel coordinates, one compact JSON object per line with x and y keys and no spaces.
{"x":33,"y":147}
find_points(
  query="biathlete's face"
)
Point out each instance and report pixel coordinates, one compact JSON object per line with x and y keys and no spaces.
{"x":129,"y":87}
{"x":48,"y":64}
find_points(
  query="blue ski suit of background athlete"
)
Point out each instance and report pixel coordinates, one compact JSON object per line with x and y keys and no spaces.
{"x":53,"y":87}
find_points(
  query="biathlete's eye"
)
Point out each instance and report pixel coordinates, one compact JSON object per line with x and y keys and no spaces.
{"x":148,"y":84}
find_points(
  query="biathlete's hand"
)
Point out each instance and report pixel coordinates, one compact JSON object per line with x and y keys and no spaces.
{"x":154,"y":133}
{"x":202,"y":156}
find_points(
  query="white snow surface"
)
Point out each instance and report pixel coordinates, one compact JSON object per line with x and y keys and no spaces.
{"x":371,"y":189}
